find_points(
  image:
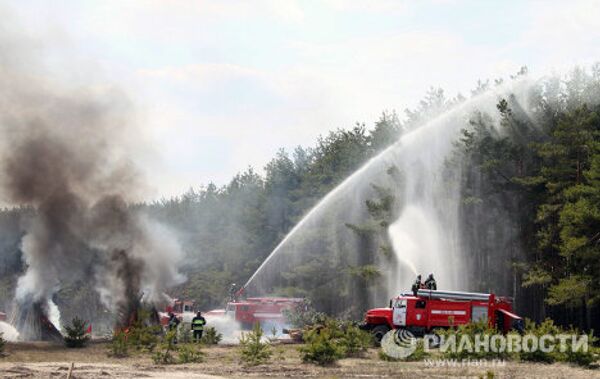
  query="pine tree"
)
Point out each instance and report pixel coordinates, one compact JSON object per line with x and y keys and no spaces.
{"x":570,"y":216}
{"x":253,"y":351}
{"x":76,"y":333}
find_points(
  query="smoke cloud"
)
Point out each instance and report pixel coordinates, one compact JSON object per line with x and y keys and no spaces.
{"x":66,"y":153}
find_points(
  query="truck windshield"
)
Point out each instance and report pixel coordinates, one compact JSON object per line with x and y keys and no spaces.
{"x":400,"y":303}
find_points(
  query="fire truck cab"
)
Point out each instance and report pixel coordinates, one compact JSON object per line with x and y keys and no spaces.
{"x":430,"y":310}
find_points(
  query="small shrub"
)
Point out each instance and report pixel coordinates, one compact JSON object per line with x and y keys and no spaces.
{"x":184,"y":333}
{"x":355,"y":341}
{"x":321,"y":349}
{"x":419,"y":354}
{"x":580,"y":357}
{"x":189,"y":354}
{"x":333,"y":340}
{"x":211,"y":336}
{"x":322,"y":346}
{"x":119,"y":347}
{"x":76,"y":334}
{"x":273,"y":337}
{"x":467,"y":333}
{"x":253,"y":351}
{"x":547,"y":327}
{"x":164,"y":356}
{"x":144,"y":338}
{"x":527,"y":353}
{"x":141,"y":336}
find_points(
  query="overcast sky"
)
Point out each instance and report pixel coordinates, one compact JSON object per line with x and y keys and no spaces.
{"x":221,"y":85}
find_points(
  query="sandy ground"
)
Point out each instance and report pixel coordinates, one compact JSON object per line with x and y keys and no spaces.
{"x":42,"y":360}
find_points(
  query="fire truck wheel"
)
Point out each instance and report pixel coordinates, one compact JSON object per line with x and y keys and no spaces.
{"x":378,"y":332}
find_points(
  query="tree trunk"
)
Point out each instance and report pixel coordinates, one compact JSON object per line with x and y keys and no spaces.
{"x":542,"y":306}
{"x":588,"y":314}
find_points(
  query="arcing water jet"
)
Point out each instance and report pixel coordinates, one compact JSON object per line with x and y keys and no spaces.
{"x":424,"y":233}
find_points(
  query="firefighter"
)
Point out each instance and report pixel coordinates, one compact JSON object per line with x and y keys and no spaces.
{"x":232,"y":296}
{"x":198,"y":323}
{"x":430,"y":283}
{"x":417,"y":285}
{"x":173,"y":321}
{"x":173,"y":324}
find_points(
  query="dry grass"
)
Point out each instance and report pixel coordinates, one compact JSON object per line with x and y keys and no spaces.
{"x":42,"y":360}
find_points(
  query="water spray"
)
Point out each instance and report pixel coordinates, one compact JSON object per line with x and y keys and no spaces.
{"x":426,"y":235}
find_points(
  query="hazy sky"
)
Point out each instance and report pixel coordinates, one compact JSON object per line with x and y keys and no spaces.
{"x":221,"y":85}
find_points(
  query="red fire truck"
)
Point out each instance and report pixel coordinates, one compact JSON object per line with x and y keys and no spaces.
{"x":264,"y":310}
{"x":430,"y":310}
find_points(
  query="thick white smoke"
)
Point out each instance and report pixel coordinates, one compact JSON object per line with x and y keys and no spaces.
{"x":9,"y":333}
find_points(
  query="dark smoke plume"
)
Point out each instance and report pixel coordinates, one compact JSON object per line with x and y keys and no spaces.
{"x":65,"y":153}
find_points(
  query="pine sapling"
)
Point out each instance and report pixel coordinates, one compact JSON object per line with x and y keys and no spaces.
{"x":119,"y":346}
{"x":76,"y":334}
{"x":253,"y":351}
{"x":164,"y":355}
{"x":211,"y":336}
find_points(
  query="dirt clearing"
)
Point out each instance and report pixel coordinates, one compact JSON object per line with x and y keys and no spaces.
{"x":43,"y":360}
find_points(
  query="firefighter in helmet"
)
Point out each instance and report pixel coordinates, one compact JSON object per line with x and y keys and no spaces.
{"x":232,"y":292}
{"x":173,"y":324}
{"x":417,"y":285}
{"x":430,"y":282}
{"x":173,"y":321}
{"x":198,"y":323}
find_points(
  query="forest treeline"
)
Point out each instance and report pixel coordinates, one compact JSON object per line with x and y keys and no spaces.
{"x":540,"y":168}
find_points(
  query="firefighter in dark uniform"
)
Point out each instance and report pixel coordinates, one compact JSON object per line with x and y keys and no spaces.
{"x":430,"y":283}
{"x":417,"y":285}
{"x":232,"y":292}
{"x":198,"y":323}
{"x":173,"y":321}
{"x":173,"y":324}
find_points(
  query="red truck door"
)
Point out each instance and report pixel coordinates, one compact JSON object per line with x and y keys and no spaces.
{"x":479,"y":312}
{"x":399,"y":312}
